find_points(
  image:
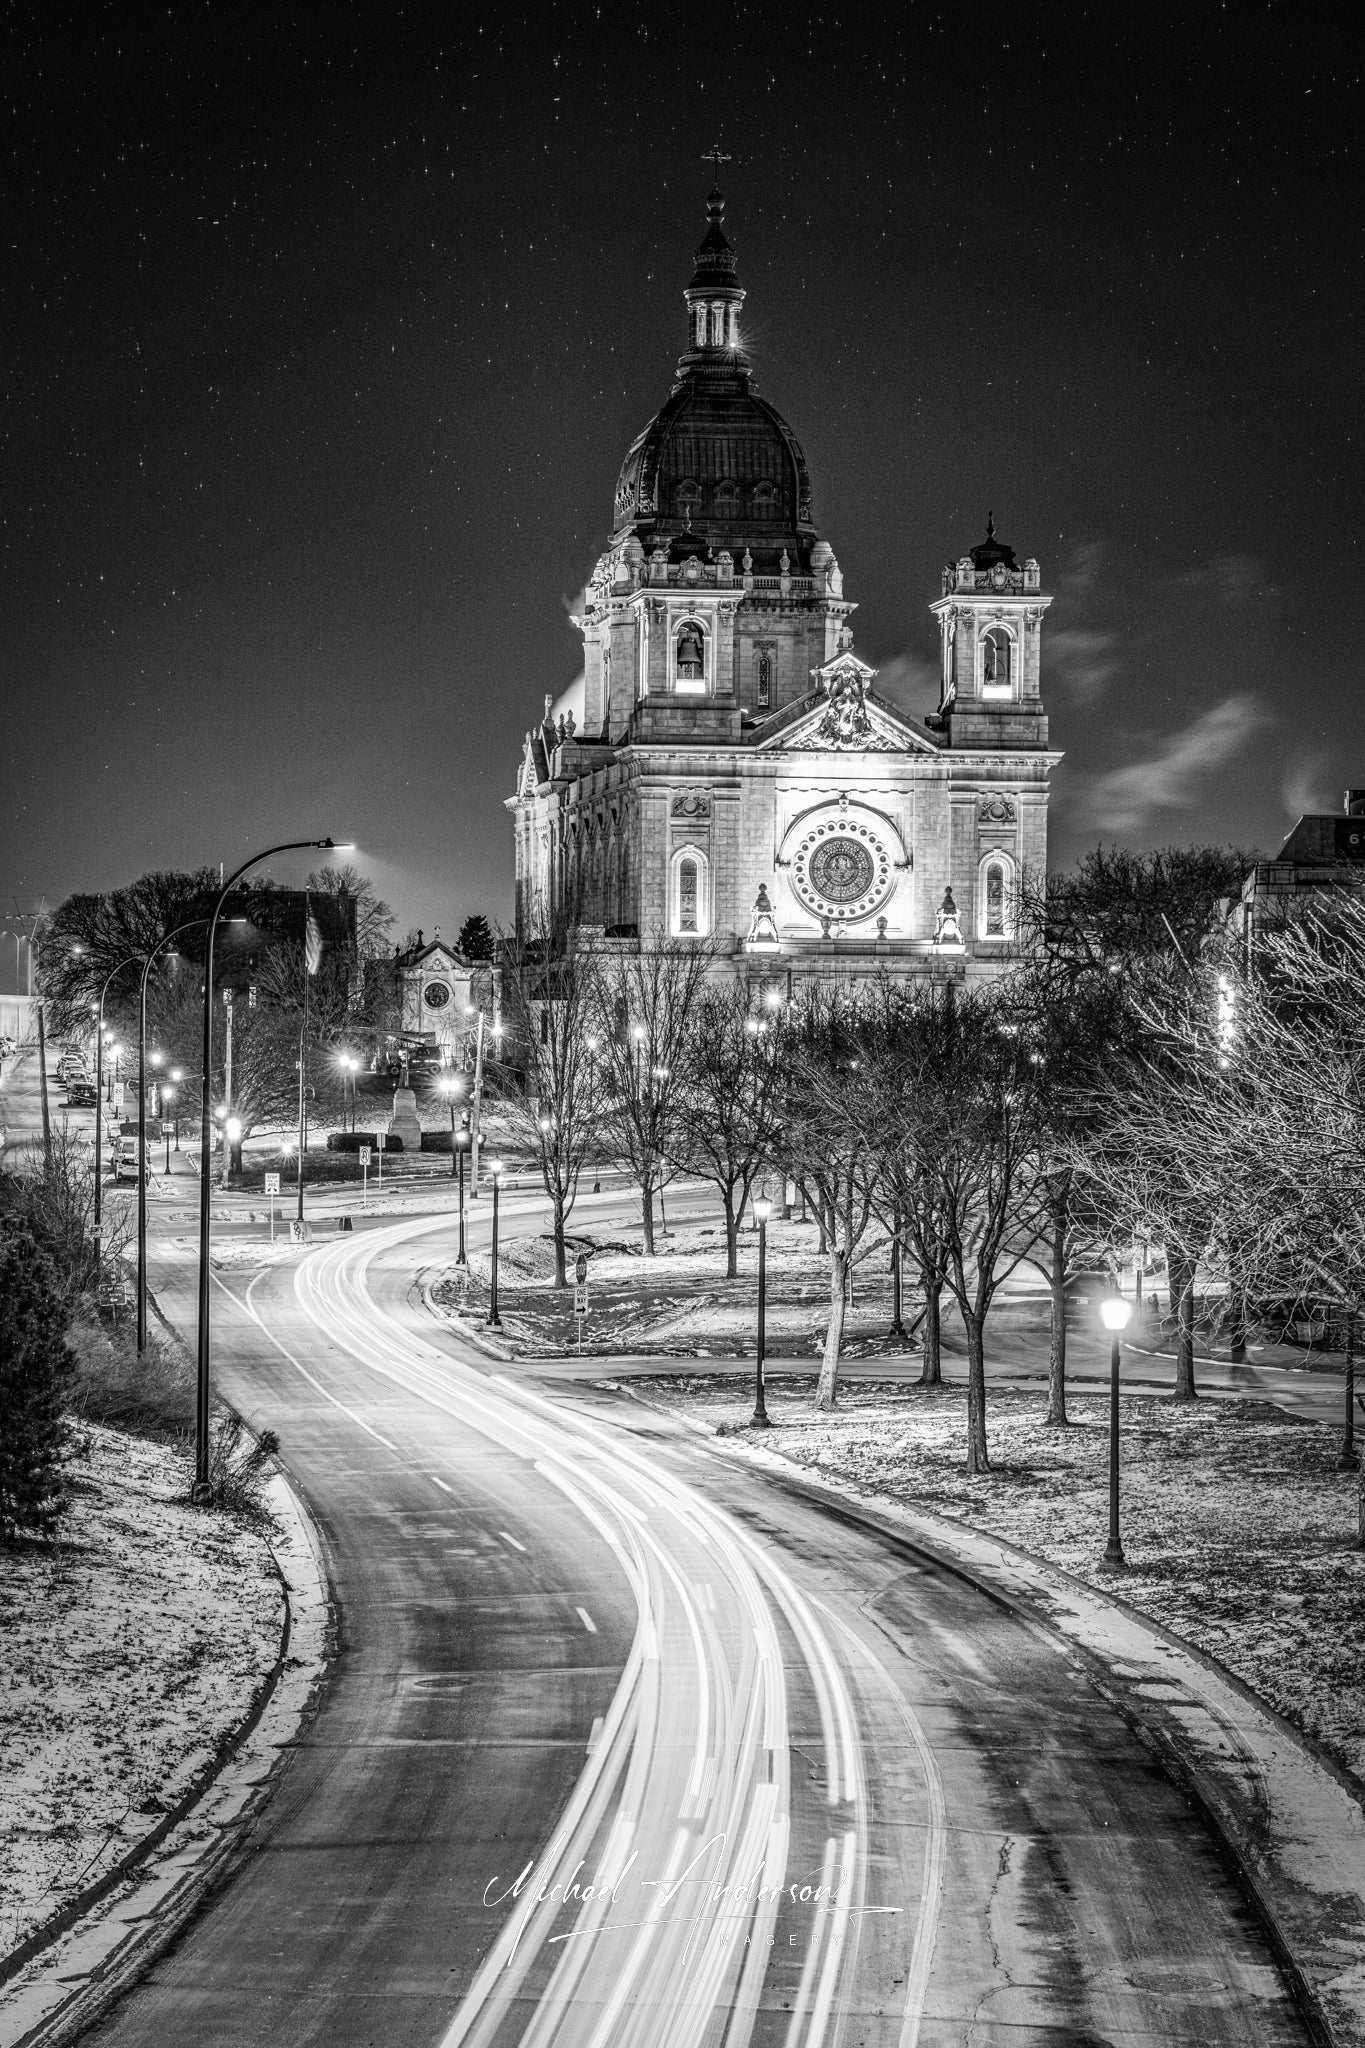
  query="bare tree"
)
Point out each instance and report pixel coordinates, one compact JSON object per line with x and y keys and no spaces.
{"x":551,"y":1002}
{"x":646,"y":1003}
{"x":727,"y":1104}
{"x":952,"y":1113}
{"x":833,"y":1145}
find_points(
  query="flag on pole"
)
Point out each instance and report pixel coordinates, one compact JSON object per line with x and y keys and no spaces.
{"x":312,"y":950}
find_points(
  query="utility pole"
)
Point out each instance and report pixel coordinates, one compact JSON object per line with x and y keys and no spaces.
{"x":475,"y":1140}
{"x":227,"y":1084}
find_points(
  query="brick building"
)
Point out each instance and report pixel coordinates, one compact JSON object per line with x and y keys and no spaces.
{"x":727,"y":769}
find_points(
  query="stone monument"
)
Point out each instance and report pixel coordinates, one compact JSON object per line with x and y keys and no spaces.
{"x":403,"y":1123}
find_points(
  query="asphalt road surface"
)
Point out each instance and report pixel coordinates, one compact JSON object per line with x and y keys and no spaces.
{"x":797,"y":1787}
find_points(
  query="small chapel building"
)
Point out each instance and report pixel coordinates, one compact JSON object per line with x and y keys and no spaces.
{"x":733,"y":774}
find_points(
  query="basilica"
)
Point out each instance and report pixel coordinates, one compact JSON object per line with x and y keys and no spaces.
{"x":726,"y":769}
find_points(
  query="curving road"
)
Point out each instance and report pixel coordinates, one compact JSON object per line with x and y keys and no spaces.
{"x":625,"y":1746}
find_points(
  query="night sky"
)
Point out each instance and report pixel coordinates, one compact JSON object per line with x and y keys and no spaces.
{"x":324,"y":340}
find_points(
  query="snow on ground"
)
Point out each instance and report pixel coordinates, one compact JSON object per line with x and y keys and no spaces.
{"x":1237,"y":1528}
{"x":128,"y":1651}
{"x":678,"y":1301}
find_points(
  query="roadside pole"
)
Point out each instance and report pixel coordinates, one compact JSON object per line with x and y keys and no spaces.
{"x":365,"y":1178}
{"x":379,"y":1161}
{"x":580,"y":1296}
{"x":475,"y":1139}
{"x":227,"y":1082}
{"x":272,"y":1188}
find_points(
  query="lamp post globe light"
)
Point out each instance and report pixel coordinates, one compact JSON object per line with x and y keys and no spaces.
{"x":494,"y":1319}
{"x":763,"y":1209}
{"x":102,"y":1032}
{"x":461,"y":1147}
{"x":201,"y":1491}
{"x":1114,"y":1314}
{"x":452,"y":1087}
{"x":167,"y":945}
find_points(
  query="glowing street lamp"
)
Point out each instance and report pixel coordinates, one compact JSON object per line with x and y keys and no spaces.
{"x":452,"y":1087}
{"x":168,"y":1095}
{"x":201,"y":1490}
{"x":763,"y":1209}
{"x":1114,"y":1314}
{"x":494,"y":1319}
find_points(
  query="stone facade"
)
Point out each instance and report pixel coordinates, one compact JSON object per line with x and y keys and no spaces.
{"x":735,"y":776}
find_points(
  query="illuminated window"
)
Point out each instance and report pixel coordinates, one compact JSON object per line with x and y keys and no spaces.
{"x":689,"y":910}
{"x":687,"y":896}
{"x":997,"y":662}
{"x":689,"y":668}
{"x":995,"y":897}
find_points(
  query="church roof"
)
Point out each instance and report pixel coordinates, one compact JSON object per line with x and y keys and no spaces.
{"x":988,"y":552}
{"x":717,"y":461}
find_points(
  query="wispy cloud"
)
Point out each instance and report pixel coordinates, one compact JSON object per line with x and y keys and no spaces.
{"x":1231,"y":579}
{"x":1310,"y":781}
{"x":909,"y":680}
{"x":1174,"y":777}
{"x":1082,"y":658}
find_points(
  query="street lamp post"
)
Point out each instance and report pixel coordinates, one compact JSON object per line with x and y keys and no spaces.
{"x":451,"y":1087}
{"x":192,"y":925}
{"x":461,"y":1141}
{"x":1114,"y":1314}
{"x":494,"y":1319}
{"x":762,"y":1209}
{"x":897,"y":1322}
{"x":129,"y":961}
{"x":201,"y":1416}
{"x":176,"y":1075}
{"x":167,"y":1093}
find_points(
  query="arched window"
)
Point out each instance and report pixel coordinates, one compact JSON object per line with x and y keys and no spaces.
{"x":997,"y":662}
{"x":765,"y":500}
{"x":689,"y":667}
{"x":995,"y":897}
{"x":765,"y":678}
{"x":687,"y":498}
{"x":689,"y":909}
{"x":726,"y":498}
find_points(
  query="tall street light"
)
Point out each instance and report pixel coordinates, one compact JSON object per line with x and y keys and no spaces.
{"x":1114,"y":1314}
{"x":177,"y":1074}
{"x":129,"y":961}
{"x":461,"y":1146}
{"x":192,"y":925}
{"x":451,"y":1086}
{"x":494,"y":1319}
{"x":763,"y":1209}
{"x":201,"y":1418}
{"x":167,"y":1095}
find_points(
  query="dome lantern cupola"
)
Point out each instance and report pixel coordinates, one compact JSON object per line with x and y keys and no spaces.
{"x":717,"y":468}
{"x":714,"y":295}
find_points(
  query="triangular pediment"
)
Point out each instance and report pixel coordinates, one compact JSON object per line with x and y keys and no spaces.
{"x":846,"y":723}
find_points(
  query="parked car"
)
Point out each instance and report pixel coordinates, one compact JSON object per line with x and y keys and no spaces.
{"x":80,"y":1095}
{"x":71,"y":1065}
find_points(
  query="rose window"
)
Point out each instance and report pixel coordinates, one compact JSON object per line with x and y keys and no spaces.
{"x":435,"y":995}
{"x":842,"y":869}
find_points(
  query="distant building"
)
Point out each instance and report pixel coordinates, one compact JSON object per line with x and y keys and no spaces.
{"x":1323,"y":854}
{"x":443,"y":994}
{"x":730,"y":771}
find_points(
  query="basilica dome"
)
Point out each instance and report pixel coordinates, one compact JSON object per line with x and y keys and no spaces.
{"x":717,"y":465}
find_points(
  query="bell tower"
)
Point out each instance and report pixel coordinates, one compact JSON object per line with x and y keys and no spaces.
{"x":990,"y":623}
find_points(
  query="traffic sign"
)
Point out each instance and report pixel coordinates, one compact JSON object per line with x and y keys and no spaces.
{"x":580,"y":1298}
{"x":272,"y":1183}
{"x":364,"y":1155}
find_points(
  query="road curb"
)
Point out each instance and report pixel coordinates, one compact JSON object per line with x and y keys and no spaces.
{"x":59,"y":1979}
{"x":478,"y":1338}
{"x":1316,"y":1931}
